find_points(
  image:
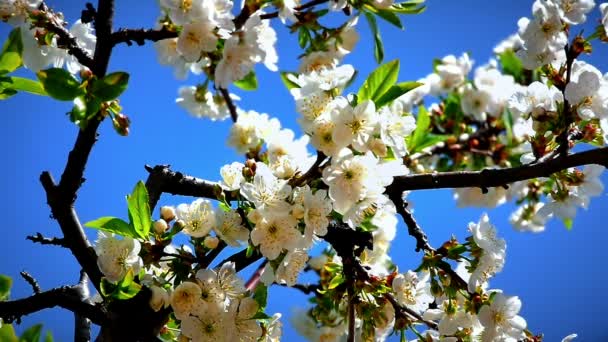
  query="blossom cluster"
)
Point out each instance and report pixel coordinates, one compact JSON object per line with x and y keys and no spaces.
{"x":526,"y":107}
{"x":40,"y":47}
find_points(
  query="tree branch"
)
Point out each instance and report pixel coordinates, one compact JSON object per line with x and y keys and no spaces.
{"x":162,"y":180}
{"x":139,"y":36}
{"x":488,"y":178}
{"x":55,"y":241}
{"x":241,"y":260}
{"x":65,"y":297}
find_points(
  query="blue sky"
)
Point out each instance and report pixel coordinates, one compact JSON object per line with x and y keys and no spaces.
{"x":559,"y":274}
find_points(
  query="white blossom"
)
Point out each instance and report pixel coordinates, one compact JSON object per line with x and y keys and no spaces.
{"x":232,"y":176}
{"x":267,"y":192}
{"x":116,"y":257}
{"x":229,"y":227}
{"x":198,"y":217}
{"x":274,"y":234}
{"x":185,"y":298}
{"x":500,"y":319}
{"x":412,"y":291}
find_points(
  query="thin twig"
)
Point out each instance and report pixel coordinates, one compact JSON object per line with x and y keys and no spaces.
{"x":32,"y":281}
{"x":402,"y":309}
{"x":230,"y":104}
{"x":413,"y":229}
{"x":55,"y":241}
{"x":314,"y":170}
{"x":209,"y":257}
{"x":255,"y":278}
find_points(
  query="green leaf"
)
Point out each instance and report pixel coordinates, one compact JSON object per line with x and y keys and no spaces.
{"x":5,"y":287}
{"x":507,"y":118}
{"x":336,"y":281}
{"x":288,"y":83}
{"x":49,"y":337}
{"x":423,"y":121}
{"x":390,"y":17}
{"x":396,"y":91}
{"x":5,"y":93}
{"x":430,"y":140}
{"x":32,"y":334}
{"x":249,"y":82}
{"x":111,"y":86}
{"x":511,"y":64}
{"x":23,"y":84}
{"x":379,"y":81}
{"x":127,"y":287}
{"x":260,"y":295}
{"x":113,"y":225}
{"x":249,"y":251}
{"x":10,"y":58}
{"x":408,"y":7}
{"x":139,"y":210}
{"x":260,"y":315}
{"x":568,"y":223}
{"x":378,"y":46}
{"x":60,"y":84}
{"x":303,"y":36}
{"x":7,"y":333}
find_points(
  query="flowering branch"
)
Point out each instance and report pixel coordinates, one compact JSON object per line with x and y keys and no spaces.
{"x":55,"y":241}
{"x":488,"y":178}
{"x":64,"y":37}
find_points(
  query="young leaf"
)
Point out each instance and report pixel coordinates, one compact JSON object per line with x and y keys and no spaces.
{"x":378,"y":46}
{"x":288,"y":83}
{"x":139,"y":210}
{"x":32,"y":334}
{"x":396,"y":91}
{"x":10,"y":58}
{"x":303,"y":36}
{"x":408,"y":7}
{"x":7,"y":333}
{"x":23,"y":84}
{"x":111,"y":86}
{"x":112,"y":225}
{"x":5,"y":287}
{"x":49,"y":337}
{"x":379,"y":81}
{"x":511,"y":64}
{"x":422,"y":124}
{"x":387,"y":15}
{"x":60,"y":84}
{"x":249,"y":82}
{"x":260,"y":295}
{"x":336,"y":281}
{"x":127,"y":287}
